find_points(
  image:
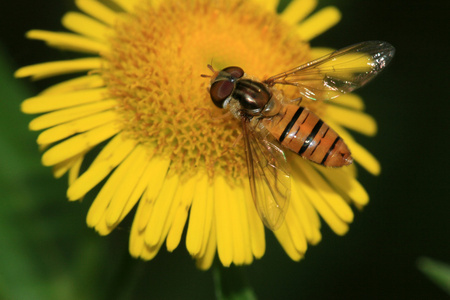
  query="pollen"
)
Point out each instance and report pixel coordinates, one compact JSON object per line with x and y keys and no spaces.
{"x":154,"y":71}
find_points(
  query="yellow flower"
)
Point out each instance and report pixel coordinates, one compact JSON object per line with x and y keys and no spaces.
{"x":166,"y":148}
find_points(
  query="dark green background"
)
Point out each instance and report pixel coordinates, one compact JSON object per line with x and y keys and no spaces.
{"x":47,"y":252}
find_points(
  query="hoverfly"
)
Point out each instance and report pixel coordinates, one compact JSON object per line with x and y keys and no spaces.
{"x":271,"y":123}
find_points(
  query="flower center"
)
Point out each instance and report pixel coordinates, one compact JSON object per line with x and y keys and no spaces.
{"x":156,"y":59}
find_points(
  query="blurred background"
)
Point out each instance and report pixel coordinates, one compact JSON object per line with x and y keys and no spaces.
{"x":47,"y":251}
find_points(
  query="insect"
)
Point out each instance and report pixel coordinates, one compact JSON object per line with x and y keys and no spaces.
{"x":271,"y":123}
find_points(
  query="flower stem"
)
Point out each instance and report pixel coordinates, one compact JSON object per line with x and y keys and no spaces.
{"x":231,"y":283}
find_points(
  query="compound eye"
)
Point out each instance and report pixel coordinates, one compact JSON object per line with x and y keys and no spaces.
{"x":235,"y":72}
{"x":220,"y":91}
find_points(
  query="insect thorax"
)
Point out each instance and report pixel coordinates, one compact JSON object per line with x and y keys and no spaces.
{"x":252,"y":98}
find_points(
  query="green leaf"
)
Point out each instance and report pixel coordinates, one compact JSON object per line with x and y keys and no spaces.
{"x":436,"y":271}
{"x":38,"y":241}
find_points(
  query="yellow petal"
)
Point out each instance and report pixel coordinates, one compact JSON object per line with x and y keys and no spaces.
{"x":209,"y":215}
{"x":97,"y":211}
{"x":75,"y":84}
{"x":283,"y":236}
{"x":318,"y":23}
{"x":204,"y":262}
{"x":97,"y":10}
{"x":297,"y":10}
{"x":63,"y":131}
{"x":269,"y":5}
{"x":197,"y":217}
{"x":331,"y":197}
{"x":78,"y":144}
{"x":127,"y":195}
{"x":296,"y":231}
{"x":185,"y":194}
{"x":154,"y":232}
{"x":237,"y":226}
{"x":352,"y":119}
{"x":75,"y":168}
{"x":127,"y":5}
{"x":110,"y":156}
{"x":239,"y":194}
{"x":66,"y":115}
{"x":126,"y":188}
{"x":47,"y":103}
{"x":150,"y":252}
{"x":256,"y":227}
{"x":359,"y":153}
{"x":136,"y":245}
{"x":296,"y":206}
{"x":351,"y":101}
{"x":54,"y":68}
{"x":68,"y":41}
{"x":346,"y":183}
{"x":365,"y":158}
{"x":318,"y":52}
{"x":137,"y":192}
{"x":223,"y":223}
{"x":312,"y":191}
{"x":160,"y":167}
{"x":60,"y":169}
{"x":86,"y":26}
{"x":313,"y":217}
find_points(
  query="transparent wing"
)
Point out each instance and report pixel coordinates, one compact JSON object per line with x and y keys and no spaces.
{"x":268,"y":174}
{"x":339,"y":72}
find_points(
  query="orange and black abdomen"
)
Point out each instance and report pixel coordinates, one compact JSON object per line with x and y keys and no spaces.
{"x":303,"y":132}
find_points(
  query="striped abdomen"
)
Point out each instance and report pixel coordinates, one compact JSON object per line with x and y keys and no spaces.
{"x":303,"y":132}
